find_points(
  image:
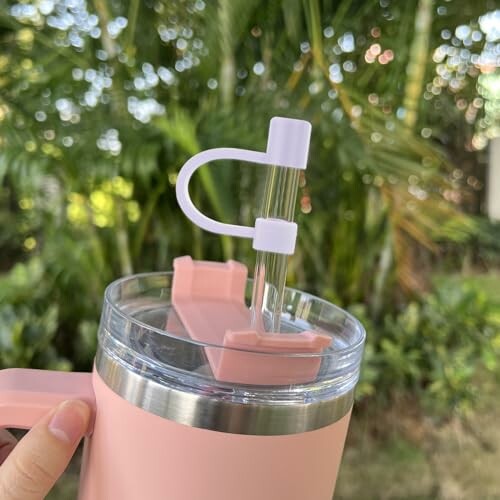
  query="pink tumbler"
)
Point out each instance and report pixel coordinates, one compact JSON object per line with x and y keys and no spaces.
{"x":193,"y":399}
{"x":166,"y":429}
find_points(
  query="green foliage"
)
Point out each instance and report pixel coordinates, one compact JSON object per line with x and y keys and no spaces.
{"x":436,"y":348}
{"x":138,"y":103}
{"x":27,"y":327}
{"x":102,"y":102}
{"x":487,"y":243}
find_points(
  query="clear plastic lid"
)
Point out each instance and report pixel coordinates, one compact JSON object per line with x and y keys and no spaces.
{"x":134,"y":332}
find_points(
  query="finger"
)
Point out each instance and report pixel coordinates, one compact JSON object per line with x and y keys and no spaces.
{"x":7,"y":444}
{"x":41,"y":456}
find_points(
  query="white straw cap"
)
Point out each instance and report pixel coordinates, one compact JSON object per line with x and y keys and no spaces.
{"x":288,"y":142}
{"x":287,"y":146}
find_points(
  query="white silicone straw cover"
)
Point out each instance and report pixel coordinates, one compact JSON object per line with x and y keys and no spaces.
{"x":287,"y":146}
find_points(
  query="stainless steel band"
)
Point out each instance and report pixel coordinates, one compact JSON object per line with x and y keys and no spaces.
{"x":208,"y":412}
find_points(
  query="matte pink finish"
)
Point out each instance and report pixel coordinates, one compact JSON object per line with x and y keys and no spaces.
{"x":135,"y":455}
{"x":27,"y":395}
{"x":209,"y":299}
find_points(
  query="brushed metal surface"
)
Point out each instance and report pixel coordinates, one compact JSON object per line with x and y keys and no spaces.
{"x":216,"y":411}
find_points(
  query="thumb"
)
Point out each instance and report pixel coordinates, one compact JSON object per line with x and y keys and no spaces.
{"x":41,"y":456}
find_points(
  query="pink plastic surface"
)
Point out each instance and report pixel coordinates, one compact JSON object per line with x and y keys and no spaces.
{"x":209,"y":300}
{"x":135,"y":455}
{"x":27,"y":395}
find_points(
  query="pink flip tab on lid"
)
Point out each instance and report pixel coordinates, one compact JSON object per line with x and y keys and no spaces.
{"x":209,"y":297}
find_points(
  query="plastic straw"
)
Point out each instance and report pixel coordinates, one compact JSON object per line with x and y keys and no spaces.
{"x":270,"y":268}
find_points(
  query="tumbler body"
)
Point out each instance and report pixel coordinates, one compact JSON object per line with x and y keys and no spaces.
{"x":167,"y":428}
{"x":135,"y":455}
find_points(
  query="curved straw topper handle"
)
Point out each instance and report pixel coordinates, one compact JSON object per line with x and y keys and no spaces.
{"x":27,"y":395}
{"x":287,"y":146}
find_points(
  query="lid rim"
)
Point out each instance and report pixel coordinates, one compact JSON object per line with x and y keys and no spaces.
{"x":346,"y":351}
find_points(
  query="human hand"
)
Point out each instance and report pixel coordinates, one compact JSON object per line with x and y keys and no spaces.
{"x":30,"y":469}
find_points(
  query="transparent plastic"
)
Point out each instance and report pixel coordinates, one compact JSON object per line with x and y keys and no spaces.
{"x":270,"y":268}
{"x":133,"y":332}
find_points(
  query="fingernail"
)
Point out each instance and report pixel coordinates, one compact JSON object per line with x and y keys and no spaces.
{"x":69,"y":422}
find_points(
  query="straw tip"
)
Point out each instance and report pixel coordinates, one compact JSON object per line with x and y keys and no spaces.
{"x":288,"y":142}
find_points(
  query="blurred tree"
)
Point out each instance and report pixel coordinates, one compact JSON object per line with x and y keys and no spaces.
{"x":101,"y":103}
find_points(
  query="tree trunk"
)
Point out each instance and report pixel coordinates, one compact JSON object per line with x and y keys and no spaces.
{"x":417,"y":63}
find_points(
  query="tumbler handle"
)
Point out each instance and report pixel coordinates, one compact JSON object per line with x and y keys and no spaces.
{"x":26,"y":395}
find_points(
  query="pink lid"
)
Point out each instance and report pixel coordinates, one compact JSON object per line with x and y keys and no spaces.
{"x":209,"y":300}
